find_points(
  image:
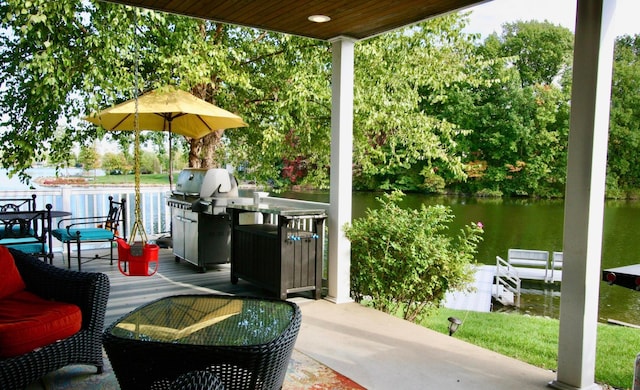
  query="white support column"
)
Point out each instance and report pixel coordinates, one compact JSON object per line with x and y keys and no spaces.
{"x":584,"y":197}
{"x":341,"y":169}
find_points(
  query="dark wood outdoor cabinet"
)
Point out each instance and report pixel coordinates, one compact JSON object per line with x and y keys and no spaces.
{"x":283,"y":257}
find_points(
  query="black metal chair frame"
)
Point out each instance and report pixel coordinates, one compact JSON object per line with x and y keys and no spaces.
{"x":90,"y":291}
{"x":18,"y":204}
{"x":115,"y":220}
{"x":29,"y":227}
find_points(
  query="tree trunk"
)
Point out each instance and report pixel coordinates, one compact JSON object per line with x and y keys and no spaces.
{"x":195,"y":146}
{"x":205,"y":152}
{"x":211,"y":149}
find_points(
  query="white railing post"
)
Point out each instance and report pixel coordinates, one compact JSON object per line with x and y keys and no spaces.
{"x":66,"y":197}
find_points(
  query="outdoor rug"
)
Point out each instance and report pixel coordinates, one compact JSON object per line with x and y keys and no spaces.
{"x":303,"y":373}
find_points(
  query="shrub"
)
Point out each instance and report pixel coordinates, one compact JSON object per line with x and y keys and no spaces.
{"x":489,"y":193}
{"x":402,"y":260}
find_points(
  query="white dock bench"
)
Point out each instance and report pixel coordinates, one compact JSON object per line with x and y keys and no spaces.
{"x":530,"y":264}
{"x":555,"y":270}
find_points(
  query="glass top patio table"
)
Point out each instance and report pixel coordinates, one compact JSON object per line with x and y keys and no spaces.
{"x":206,"y":320}
{"x":246,"y":341}
{"x":31,"y":214}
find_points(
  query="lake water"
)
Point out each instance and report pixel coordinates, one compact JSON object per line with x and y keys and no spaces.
{"x":14,"y":183}
{"x":534,"y":224}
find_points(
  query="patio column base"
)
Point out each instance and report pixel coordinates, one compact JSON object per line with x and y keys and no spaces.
{"x":564,"y":386}
{"x":338,"y":301}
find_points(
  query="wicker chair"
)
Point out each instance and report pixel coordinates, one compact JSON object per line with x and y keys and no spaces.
{"x":89,"y":291}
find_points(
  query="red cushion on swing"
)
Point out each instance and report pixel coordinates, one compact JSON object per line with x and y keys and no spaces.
{"x":137,"y":265}
{"x":123,"y":249}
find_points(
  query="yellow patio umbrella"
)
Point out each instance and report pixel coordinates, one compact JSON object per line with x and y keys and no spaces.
{"x":167,"y":109}
{"x":164,"y":109}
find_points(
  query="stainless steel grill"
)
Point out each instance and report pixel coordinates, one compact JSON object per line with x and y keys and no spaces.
{"x":200,"y":225}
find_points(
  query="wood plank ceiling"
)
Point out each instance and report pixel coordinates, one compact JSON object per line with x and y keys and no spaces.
{"x":357,"y":19}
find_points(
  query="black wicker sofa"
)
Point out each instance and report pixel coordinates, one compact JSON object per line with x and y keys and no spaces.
{"x":89,"y":291}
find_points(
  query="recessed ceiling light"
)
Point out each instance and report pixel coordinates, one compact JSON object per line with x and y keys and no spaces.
{"x":319,"y":18}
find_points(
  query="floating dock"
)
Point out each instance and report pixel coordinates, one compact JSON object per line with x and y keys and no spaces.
{"x":480,"y":298}
{"x":494,"y":282}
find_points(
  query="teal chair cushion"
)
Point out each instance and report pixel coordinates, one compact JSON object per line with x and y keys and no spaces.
{"x":25,"y":245}
{"x":16,"y":231}
{"x":27,"y":248}
{"x":86,"y":234}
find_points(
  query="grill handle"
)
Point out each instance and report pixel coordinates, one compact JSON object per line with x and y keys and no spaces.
{"x":183,"y":219}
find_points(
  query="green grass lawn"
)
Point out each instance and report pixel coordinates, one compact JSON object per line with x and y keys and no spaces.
{"x":149,"y":179}
{"x":535,"y":340}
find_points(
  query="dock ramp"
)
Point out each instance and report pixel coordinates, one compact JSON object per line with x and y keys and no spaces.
{"x":480,"y":298}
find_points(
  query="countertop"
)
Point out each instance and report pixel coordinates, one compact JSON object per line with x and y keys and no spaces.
{"x":274,"y":209}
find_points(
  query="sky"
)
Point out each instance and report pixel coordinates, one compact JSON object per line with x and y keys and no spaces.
{"x":489,"y":17}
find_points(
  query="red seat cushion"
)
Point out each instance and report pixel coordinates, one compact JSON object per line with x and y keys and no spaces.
{"x":10,"y":279}
{"x":28,"y":322}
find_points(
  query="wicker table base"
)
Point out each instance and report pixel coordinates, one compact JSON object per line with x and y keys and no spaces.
{"x":246,"y":342}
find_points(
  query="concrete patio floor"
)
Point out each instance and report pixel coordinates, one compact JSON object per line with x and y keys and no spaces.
{"x":379,"y":351}
{"x":374,"y":349}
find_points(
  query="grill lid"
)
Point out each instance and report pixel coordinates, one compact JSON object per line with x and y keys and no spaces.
{"x":189,"y":182}
{"x":216,"y":181}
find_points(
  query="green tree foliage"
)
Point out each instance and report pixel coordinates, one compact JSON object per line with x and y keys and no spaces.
{"x":541,"y":51}
{"x":89,"y":158}
{"x":55,"y":57}
{"x":405,"y":261}
{"x":532,"y":110}
{"x":73,"y":57}
{"x":397,"y":144}
{"x":624,"y":129}
{"x":115,"y":162}
{"x":62,"y":60}
{"x":287,"y":103}
{"x":518,"y":117}
{"x":434,"y":110}
{"x":149,"y":162}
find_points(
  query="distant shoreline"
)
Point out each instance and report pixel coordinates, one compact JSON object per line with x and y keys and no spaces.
{"x":84,"y":182}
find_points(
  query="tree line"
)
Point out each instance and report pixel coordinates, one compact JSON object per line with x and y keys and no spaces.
{"x":119,"y":163}
{"x":435,"y":110}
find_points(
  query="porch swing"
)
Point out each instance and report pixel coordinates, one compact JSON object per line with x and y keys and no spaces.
{"x":137,"y":258}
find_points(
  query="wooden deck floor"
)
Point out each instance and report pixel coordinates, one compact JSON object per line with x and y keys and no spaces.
{"x":129,"y":292}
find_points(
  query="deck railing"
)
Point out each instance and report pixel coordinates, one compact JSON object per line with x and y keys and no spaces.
{"x":92,"y":201}
{"x":156,"y":216}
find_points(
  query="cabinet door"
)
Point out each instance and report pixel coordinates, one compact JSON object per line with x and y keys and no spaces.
{"x":215,"y":238}
{"x":191,"y":236}
{"x":177,"y":231}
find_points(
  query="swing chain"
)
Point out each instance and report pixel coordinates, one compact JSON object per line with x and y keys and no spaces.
{"x":138,"y":227}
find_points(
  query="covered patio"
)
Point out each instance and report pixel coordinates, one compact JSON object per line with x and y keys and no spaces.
{"x":352,"y":21}
{"x":375,"y":350}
